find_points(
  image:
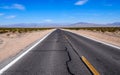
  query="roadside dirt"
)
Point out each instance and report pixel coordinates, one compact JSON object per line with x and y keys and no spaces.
{"x":108,"y":37}
{"x":11,"y":44}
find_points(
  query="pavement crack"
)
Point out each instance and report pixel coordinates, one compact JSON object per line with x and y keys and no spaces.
{"x":67,"y":62}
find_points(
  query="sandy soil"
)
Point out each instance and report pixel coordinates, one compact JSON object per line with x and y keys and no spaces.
{"x":11,"y":44}
{"x":108,"y":37}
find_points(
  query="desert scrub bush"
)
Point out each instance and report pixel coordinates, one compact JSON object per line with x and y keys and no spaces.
{"x":100,"y":29}
{"x":20,"y":30}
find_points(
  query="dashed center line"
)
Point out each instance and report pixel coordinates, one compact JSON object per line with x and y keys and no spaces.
{"x":89,"y":65}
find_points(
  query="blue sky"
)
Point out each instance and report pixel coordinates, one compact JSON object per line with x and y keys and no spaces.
{"x":59,"y":11}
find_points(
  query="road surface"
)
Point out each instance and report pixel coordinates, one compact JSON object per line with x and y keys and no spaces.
{"x":61,"y":54}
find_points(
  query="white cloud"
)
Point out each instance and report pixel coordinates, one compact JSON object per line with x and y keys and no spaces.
{"x":1,"y":14}
{"x":18,"y":6}
{"x":10,"y":17}
{"x":14,"y":6}
{"x":81,"y":2}
{"x":48,"y":20}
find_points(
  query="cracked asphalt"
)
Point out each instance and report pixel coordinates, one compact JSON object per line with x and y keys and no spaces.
{"x":58,"y":55}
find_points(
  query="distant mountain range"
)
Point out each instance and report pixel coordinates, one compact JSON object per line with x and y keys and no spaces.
{"x":47,"y":25}
{"x":115,"y":23}
{"x":84,"y":24}
{"x":35,"y":25}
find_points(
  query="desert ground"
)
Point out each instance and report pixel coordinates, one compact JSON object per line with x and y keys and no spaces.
{"x":13,"y":43}
{"x":108,"y":37}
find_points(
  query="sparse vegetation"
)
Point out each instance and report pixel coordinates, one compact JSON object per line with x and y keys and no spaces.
{"x":101,"y":29}
{"x":20,"y":30}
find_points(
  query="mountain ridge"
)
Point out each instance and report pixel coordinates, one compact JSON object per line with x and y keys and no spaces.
{"x":79,"y":24}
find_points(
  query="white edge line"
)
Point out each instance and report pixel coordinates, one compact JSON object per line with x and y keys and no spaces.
{"x":97,"y":40}
{"x":100,"y":41}
{"x":19,"y":57}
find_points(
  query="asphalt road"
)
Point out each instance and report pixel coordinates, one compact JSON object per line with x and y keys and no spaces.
{"x":60,"y":54}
